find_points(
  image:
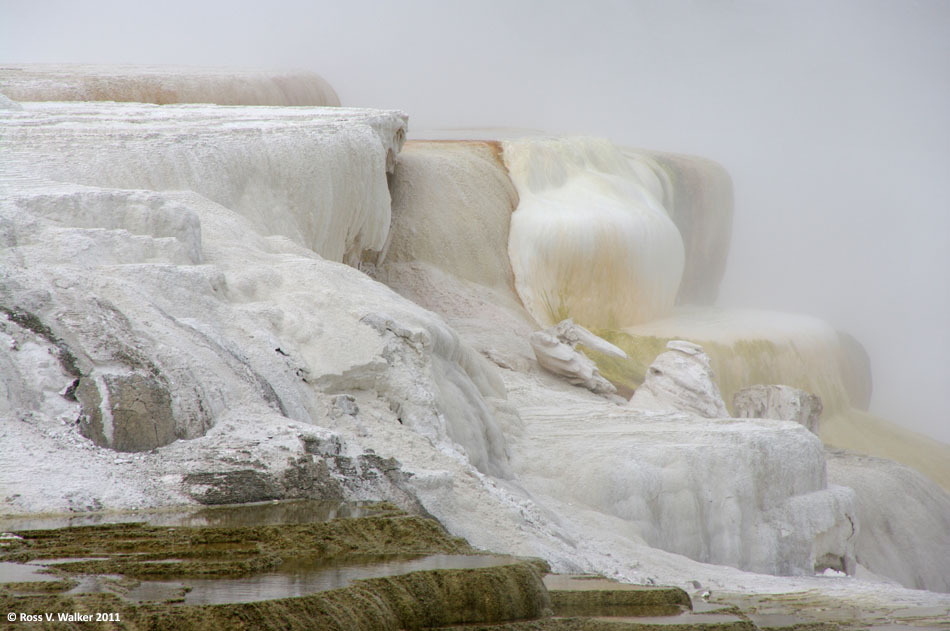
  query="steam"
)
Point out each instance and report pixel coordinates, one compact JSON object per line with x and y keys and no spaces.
{"x":831,"y":118}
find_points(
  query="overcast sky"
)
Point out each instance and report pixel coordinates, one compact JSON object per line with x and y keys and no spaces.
{"x":832,"y":116}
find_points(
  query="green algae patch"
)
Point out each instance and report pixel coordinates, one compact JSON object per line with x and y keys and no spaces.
{"x":123,"y":554}
{"x":662,"y":601}
{"x":595,"y":596}
{"x":411,"y":601}
{"x":38,"y":587}
{"x":626,"y":374}
{"x":142,"y":551}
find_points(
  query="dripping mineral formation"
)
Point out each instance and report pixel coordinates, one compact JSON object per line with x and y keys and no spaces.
{"x":211,"y":304}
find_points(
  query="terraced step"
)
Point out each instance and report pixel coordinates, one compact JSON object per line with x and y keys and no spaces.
{"x":682,"y":622}
{"x":595,"y":596}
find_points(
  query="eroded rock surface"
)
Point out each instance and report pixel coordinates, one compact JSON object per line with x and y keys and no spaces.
{"x":203,"y":248}
{"x":127,"y":412}
{"x":782,"y":403}
{"x":681,"y":380}
{"x":556,"y":350}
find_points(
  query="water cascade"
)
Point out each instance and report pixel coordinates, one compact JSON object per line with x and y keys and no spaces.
{"x":589,"y":240}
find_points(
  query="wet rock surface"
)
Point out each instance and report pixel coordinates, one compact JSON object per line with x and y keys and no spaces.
{"x":125,"y":555}
{"x":131,"y":570}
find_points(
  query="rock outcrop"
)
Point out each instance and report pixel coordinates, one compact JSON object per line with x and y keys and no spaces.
{"x":189,"y":275}
{"x":556,"y":350}
{"x":681,"y":380}
{"x":778,"y":402}
{"x":742,"y":492}
{"x":126,"y":412}
{"x":747,"y":347}
{"x":448,"y":251}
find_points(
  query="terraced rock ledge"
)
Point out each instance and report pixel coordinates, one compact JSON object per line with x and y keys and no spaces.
{"x":160,"y":575}
{"x":124,"y":556}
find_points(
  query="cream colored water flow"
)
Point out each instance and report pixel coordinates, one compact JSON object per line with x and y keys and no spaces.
{"x":589,"y":240}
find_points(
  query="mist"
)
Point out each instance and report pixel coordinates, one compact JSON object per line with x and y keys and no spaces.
{"x":831,"y":117}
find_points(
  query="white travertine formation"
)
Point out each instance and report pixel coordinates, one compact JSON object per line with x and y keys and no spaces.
{"x":681,"y":380}
{"x":452,"y":203}
{"x":749,"y":347}
{"x":656,"y":492}
{"x":187,"y":259}
{"x":240,"y":158}
{"x":697,"y":194}
{"x":448,"y":247}
{"x":589,"y":241}
{"x":779,"y":402}
{"x":868,"y":434}
{"x":163,"y":85}
{"x":746,"y":493}
{"x":556,"y":350}
{"x":903,"y":519}
{"x":208,"y":293}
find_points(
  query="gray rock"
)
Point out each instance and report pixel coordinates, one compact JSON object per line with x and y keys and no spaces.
{"x":782,"y":403}
{"x":130,"y":412}
{"x":317,"y":474}
{"x":343,"y":404}
{"x":681,"y":380}
{"x":305,"y":477}
{"x":232,"y":487}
